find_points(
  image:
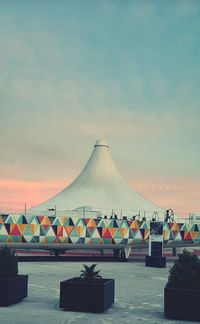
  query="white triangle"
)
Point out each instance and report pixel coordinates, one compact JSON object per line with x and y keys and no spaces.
{"x":3,"y":231}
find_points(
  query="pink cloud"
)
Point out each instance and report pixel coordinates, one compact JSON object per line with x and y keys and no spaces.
{"x":182,"y":197}
{"x":15,"y":194}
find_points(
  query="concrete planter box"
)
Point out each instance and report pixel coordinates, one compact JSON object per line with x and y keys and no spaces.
{"x":182,"y":304}
{"x":87,"y":295}
{"x":155,"y":261}
{"x":12,"y":290}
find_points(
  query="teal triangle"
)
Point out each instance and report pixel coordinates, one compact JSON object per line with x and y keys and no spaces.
{"x":102,"y":224}
{"x":3,"y":238}
{"x":9,"y":220}
{"x":15,"y":238}
{"x":50,"y":239}
{"x":27,"y":231}
{"x":35,"y":239}
{"x":117,"y":234}
{"x":80,"y":222}
{"x":197,"y":238}
{"x":96,"y":240}
{"x":184,"y":227}
{"x":69,"y":222}
{"x":111,"y":223}
{"x":43,"y":232}
{"x":56,"y":221}
{"x":21,"y":220}
{"x":194,"y":228}
{"x":166,"y":226}
{"x":107,"y":241}
{"x":124,"y":224}
{"x":34,"y":220}
{"x":74,"y":233}
{"x":133,"y":232}
{"x":144,"y":225}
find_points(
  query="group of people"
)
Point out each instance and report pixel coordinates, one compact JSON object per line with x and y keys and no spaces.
{"x":169,"y":217}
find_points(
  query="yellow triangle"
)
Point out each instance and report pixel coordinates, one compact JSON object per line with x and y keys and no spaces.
{"x":46,"y":221}
{"x":113,"y":231}
{"x":62,"y":220}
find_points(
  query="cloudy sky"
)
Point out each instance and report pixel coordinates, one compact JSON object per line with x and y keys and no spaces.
{"x":76,"y":71}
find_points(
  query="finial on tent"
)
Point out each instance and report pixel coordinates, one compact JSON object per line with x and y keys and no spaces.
{"x":101,"y":142}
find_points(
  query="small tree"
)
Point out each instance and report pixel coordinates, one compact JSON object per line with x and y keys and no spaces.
{"x":8,"y":263}
{"x":89,"y":273}
{"x":185,"y":272}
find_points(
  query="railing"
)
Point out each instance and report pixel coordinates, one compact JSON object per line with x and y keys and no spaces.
{"x":60,"y":210}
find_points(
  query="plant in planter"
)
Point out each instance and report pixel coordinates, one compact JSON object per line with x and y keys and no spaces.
{"x":13,"y":287}
{"x":87,"y":293}
{"x":182,"y":292}
{"x":89,"y":273}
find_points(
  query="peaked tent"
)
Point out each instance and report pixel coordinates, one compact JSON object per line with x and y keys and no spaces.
{"x":101,"y":186}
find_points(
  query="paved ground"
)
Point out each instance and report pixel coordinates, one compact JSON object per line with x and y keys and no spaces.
{"x":138,"y":297}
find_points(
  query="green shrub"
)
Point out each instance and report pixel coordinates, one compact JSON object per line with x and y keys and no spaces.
{"x":8,"y":263}
{"x":185,"y":273}
{"x":89,"y":273}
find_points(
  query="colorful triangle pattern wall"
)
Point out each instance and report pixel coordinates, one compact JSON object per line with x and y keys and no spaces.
{"x":75,"y":230}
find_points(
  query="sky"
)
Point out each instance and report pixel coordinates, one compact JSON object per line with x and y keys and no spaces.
{"x":72,"y":72}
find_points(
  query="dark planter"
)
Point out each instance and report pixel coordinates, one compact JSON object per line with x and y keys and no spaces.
{"x":12,"y":290}
{"x":155,"y":261}
{"x":182,"y":304}
{"x":87,"y":296}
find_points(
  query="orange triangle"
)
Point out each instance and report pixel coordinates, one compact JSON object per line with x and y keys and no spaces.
{"x":91,"y":223}
{"x":175,"y":227}
{"x":79,"y":230}
{"x":194,"y":235}
{"x":22,"y":227}
{"x":60,"y":230}
{"x":146,"y":234}
{"x":32,"y":228}
{"x":134,"y":224}
{"x":68,"y":229}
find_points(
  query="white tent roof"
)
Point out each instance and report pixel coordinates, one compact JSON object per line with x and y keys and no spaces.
{"x":101,"y":186}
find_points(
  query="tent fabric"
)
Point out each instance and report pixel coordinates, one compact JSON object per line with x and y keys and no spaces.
{"x":100,"y":187}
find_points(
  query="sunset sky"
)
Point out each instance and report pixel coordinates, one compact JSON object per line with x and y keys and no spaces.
{"x":76,"y":71}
